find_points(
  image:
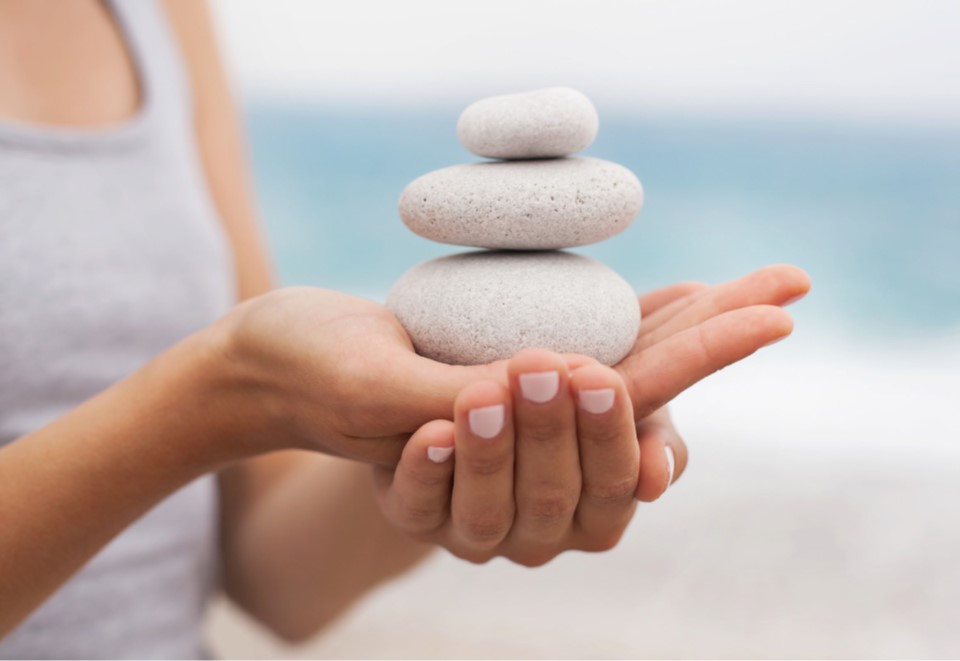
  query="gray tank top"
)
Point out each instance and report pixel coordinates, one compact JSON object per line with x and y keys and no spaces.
{"x":110,"y":252}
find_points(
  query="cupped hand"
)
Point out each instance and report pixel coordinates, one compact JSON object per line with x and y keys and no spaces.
{"x":554,"y":460}
{"x":526,"y":470}
{"x":313,"y":368}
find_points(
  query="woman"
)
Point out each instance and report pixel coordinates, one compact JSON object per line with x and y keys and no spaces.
{"x":160,"y":441}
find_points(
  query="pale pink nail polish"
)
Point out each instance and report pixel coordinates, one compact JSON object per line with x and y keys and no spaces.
{"x":671,"y":463}
{"x":597,"y":401}
{"x":439,"y":455}
{"x":486,"y":422}
{"x":539,"y":387}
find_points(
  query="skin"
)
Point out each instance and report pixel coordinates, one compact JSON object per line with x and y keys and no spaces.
{"x":270,"y":394}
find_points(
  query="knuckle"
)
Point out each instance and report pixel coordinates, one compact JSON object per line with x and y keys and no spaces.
{"x":611,"y":492}
{"x":543,"y":432}
{"x":420,"y":518}
{"x":603,"y":435}
{"x":429,"y":479}
{"x":533,"y":559}
{"x":551,"y":507}
{"x":485,"y":530}
{"x":487,"y":465}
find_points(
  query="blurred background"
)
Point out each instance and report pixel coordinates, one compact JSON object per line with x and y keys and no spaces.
{"x":818,"y":517}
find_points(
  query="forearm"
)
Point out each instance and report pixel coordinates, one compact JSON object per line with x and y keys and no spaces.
{"x":68,"y":488}
{"x":312,"y":545}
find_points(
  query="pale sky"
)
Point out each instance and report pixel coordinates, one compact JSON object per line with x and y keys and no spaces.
{"x":867,"y":58}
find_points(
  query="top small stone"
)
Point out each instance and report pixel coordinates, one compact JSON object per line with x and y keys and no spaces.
{"x":547,"y":123}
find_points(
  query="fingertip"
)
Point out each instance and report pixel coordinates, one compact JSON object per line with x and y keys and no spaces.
{"x":671,"y":464}
{"x":794,"y":282}
{"x":439,"y":454}
{"x":481,"y":394}
{"x":433,"y":441}
{"x":535,"y":360}
{"x":762,"y":321}
{"x":537,"y":376}
{"x":483,"y":410}
{"x":595,"y":376}
{"x":779,"y":324}
{"x":657,"y":466}
{"x":597,"y":388}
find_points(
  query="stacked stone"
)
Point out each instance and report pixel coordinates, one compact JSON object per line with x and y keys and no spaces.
{"x":523,"y":290}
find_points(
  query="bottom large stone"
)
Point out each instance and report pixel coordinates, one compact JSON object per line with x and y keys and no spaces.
{"x":477,"y":307}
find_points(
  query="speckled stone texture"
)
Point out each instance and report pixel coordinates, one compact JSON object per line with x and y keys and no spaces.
{"x":523,"y":205}
{"x":476,"y":307}
{"x":546,"y":123}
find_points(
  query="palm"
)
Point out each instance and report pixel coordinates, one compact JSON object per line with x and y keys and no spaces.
{"x":688,"y":332}
{"x":360,"y":358}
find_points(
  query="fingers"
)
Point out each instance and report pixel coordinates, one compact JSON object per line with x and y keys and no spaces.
{"x":482,"y":505}
{"x":416,"y":499}
{"x":663,"y":456}
{"x":653,"y":301}
{"x":659,"y":373}
{"x":609,"y":455}
{"x":547,"y":484}
{"x":773,"y":285}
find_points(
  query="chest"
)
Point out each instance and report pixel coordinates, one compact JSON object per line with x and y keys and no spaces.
{"x":106,"y":260}
{"x":64,"y":63}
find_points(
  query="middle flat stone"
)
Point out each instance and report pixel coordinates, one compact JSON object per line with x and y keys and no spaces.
{"x":523,"y":205}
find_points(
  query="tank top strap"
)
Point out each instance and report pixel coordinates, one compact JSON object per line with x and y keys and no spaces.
{"x":152,"y":44}
{"x":165,"y":107}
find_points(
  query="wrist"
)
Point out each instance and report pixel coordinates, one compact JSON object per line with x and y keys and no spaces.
{"x":197,"y":389}
{"x":243,"y":388}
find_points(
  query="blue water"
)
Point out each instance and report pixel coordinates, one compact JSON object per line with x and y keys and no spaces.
{"x":872,"y":212}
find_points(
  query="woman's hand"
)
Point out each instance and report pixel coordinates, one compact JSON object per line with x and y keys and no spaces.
{"x":554,"y":461}
{"x":691,"y":330}
{"x":316,"y":369}
{"x":312,"y":368}
{"x":548,"y":464}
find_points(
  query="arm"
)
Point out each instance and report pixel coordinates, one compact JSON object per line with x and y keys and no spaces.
{"x":69,"y":487}
{"x":302,"y":534}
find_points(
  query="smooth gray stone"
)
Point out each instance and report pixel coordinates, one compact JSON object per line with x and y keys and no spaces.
{"x":476,"y":307}
{"x":523,"y":205}
{"x":546,"y":123}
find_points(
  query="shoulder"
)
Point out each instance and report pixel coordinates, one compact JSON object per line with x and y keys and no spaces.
{"x":193,"y":27}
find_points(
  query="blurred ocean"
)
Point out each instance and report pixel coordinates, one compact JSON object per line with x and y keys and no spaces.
{"x":872,"y":212}
{"x":817,"y":518}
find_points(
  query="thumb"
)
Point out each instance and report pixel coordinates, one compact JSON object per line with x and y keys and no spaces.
{"x":430,"y":387}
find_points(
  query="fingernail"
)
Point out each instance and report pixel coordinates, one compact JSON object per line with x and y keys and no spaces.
{"x":671,"y":463}
{"x":439,"y":455}
{"x":539,"y":387}
{"x":486,"y":422}
{"x":597,"y":401}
